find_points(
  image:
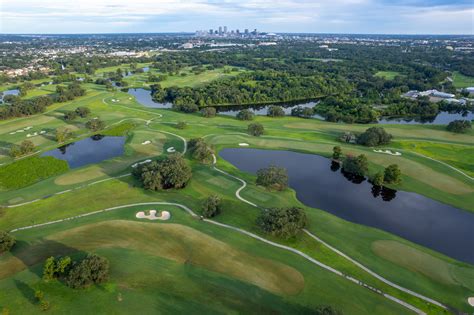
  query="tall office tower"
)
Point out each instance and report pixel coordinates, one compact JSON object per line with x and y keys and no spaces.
{"x":237,"y":31}
{"x":211,"y":31}
{"x":246,"y":31}
{"x":225,"y":29}
{"x":220,"y":30}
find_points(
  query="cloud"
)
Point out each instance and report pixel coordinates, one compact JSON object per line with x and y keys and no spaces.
{"x":348,"y":16}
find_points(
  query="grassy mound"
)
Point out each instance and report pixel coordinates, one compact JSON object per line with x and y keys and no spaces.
{"x":30,"y":170}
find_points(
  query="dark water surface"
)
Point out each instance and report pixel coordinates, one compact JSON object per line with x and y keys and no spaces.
{"x":321,"y":185}
{"x":144,"y":97}
{"x":90,"y":150}
{"x":443,"y":118}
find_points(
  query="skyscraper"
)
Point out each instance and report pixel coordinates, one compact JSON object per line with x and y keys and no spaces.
{"x":220,"y":30}
{"x":225,"y":29}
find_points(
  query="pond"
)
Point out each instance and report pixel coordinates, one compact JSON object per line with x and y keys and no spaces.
{"x":9,"y":92}
{"x":90,"y":150}
{"x":144,"y":97}
{"x":443,"y":118}
{"x":262,"y":110}
{"x":321,"y":184}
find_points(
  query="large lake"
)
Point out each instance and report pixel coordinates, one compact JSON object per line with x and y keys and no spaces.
{"x":90,"y":150}
{"x":320,"y":184}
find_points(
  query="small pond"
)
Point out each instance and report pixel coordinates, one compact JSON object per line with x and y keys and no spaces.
{"x":443,"y":118}
{"x":262,"y":110}
{"x":8,"y":92}
{"x":144,"y":97}
{"x":90,"y":150}
{"x":321,"y":184}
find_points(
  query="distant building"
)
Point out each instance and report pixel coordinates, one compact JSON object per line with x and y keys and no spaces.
{"x":225,"y":29}
{"x":220,"y":30}
{"x":188,"y":45}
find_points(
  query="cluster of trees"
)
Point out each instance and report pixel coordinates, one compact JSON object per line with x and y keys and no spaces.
{"x":24,"y":148}
{"x":282,"y":222}
{"x":374,"y":136}
{"x":200,"y":150}
{"x":459,"y":126}
{"x":255,"y":129}
{"x":303,"y":112}
{"x":16,"y":107}
{"x":95,"y":124}
{"x":208,"y":112}
{"x":348,"y":109}
{"x":212,"y":206}
{"x":93,"y":269}
{"x":391,"y":175}
{"x":273,"y":177}
{"x":64,"y":94}
{"x":245,"y":114}
{"x":275,"y":111}
{"x":402,"y":107}
{"x":78,"y":112}
{"x":63,"y":134}
{"x":356,"y":165}
{"x":7,"y":241}
{"x":170,"y":172}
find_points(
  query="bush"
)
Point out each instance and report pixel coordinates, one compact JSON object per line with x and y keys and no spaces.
{"x":282,"y":222}
{"x":303,"y":112}
{"x":186,"y":108}
{"x":392,"y":174}
{"x":374,"y":136}
{"x":7,"y":241}
{"x":378,"y":179}
{"x":358,"y":166}
{"x":200,"y":150}
{"x":70,"y":115}
{"x":273,"y":177}
{"x":208,"y":112}
{"x":62,"y":134}
{"x":211,"y":206}
{"x":255,"y":129}
{"x":30,"y":170}
{"x":83,"y":111}
{"x":56,"y":267}
{"x":95,"y":124}
{"x":245,"y":114}
{"x":275,"y":111}
{"x":181,"y":125}
{"x":171,"y":172}
{"x":26,"y":147}
{"x":91,"y":270}
{"x":459,"y":126}
{"x":336,"y":153}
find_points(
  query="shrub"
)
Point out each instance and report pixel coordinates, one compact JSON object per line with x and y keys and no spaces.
{"x":70,"y":115}
{"x":392,"y":174}
{"x":245,"y":114}
{"x":336,"y":152}
{"x":56,"y":267}
{"x":211,"y":206}
{"x":91,"y":270}
{"x":208,"y":112}
{"x":181,"y":125}
{"x":95,"y":124}
{"x":374,"y":136}
{"x":275,"y":111}
{"x":378,"y":179}
{"x":186,"y":108}
{"x":273,"y":177}
{"x":282,"y":222}
{"x":62,"y":134}
{"x":7,"y":241}
{"x":200,"y":150}
{"x":459,"y":126}
{"x":255,"y":129}
{"x":303,"y":112}
{"x":26,"y":147}
{"x":30,"y":170}
{"x":358,"y":166}
{"x":83,"y":111}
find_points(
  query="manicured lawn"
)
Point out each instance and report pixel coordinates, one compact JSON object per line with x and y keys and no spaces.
{"x":462,"y":81}
{"x":388,"y":75}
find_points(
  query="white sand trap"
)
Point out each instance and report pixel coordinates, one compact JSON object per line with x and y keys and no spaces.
{"x":164,"y":215}
{"x":388,"y":152}
{"x":146,"y":142}
{"x":140,"y":163}
{"x":42,"y":132}
{"x":471,"y":301}
{"x":171,"y":150}
{"x":28,"y":128}
{"x":243,"y":144}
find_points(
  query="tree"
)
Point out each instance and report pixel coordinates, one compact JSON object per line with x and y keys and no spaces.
{"x":282,"y":222}
{"x":79,"y":276}
{"x":95,"y":124}
{"x":275,"y":111}
{"x":181,"y":125}
{"x":273,"y":177}
{"x":93,"y":269}
{"x":303,"y":112}
{"x":62,"y":134}
{"x":392,"y":174}
{"x":200,"y":150}
{"x":459,"y":126}
{"x":186,"y":108}
{"x":56,"y":267}
{"x":336,"y":153}
{"x":255,"y":129}
{"x":7,"y":241}
{"x":245,"y":114}
{"x":358,"y":166}
{"x":374,"y":136}
{"x":24,"y":148}
{"x":83,"y":111}
{"x":99,"y":268}
{"x":175,"y":171}
{"x":49,"y":269}
{"x":327,"y":310}
{"x":208,"y":112}
{"x":211,"y":206}
{"x":378,"y":179}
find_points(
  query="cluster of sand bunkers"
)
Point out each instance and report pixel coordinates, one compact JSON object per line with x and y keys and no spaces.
{"x":21,"y":130}
{"x":243,"y":144}
{"x":388,"y":152}
{"x":163,"y":215}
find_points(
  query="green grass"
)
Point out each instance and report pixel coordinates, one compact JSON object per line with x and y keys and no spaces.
{"x":462,"y":81}
{"x":388,"y":75}
{"x":30,"y":170}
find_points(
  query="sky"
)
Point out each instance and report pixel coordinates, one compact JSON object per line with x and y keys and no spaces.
{"x":292,"y":16}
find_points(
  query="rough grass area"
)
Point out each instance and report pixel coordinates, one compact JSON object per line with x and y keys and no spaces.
{"x":30,"y":170}
{"x":119,"y":130}
{"x":462,"y":81}
{"x":388,"y":75}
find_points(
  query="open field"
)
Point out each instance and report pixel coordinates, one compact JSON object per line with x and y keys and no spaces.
{"x":462,"y":81}
{"x":388,"y":75}
{"x":187,"y":262}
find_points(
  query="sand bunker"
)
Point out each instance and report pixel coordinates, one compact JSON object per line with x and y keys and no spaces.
{"x":388,"y":152}
{"x":21,"y":130}
{"x":164,"y":215}
{"x":471,"y":301}
{"x":146,"y":142}
{"x":171,"y":150}
{"x":243,"y":144}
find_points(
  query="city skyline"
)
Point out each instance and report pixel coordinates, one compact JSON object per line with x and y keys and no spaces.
{"x":292,"y":16}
